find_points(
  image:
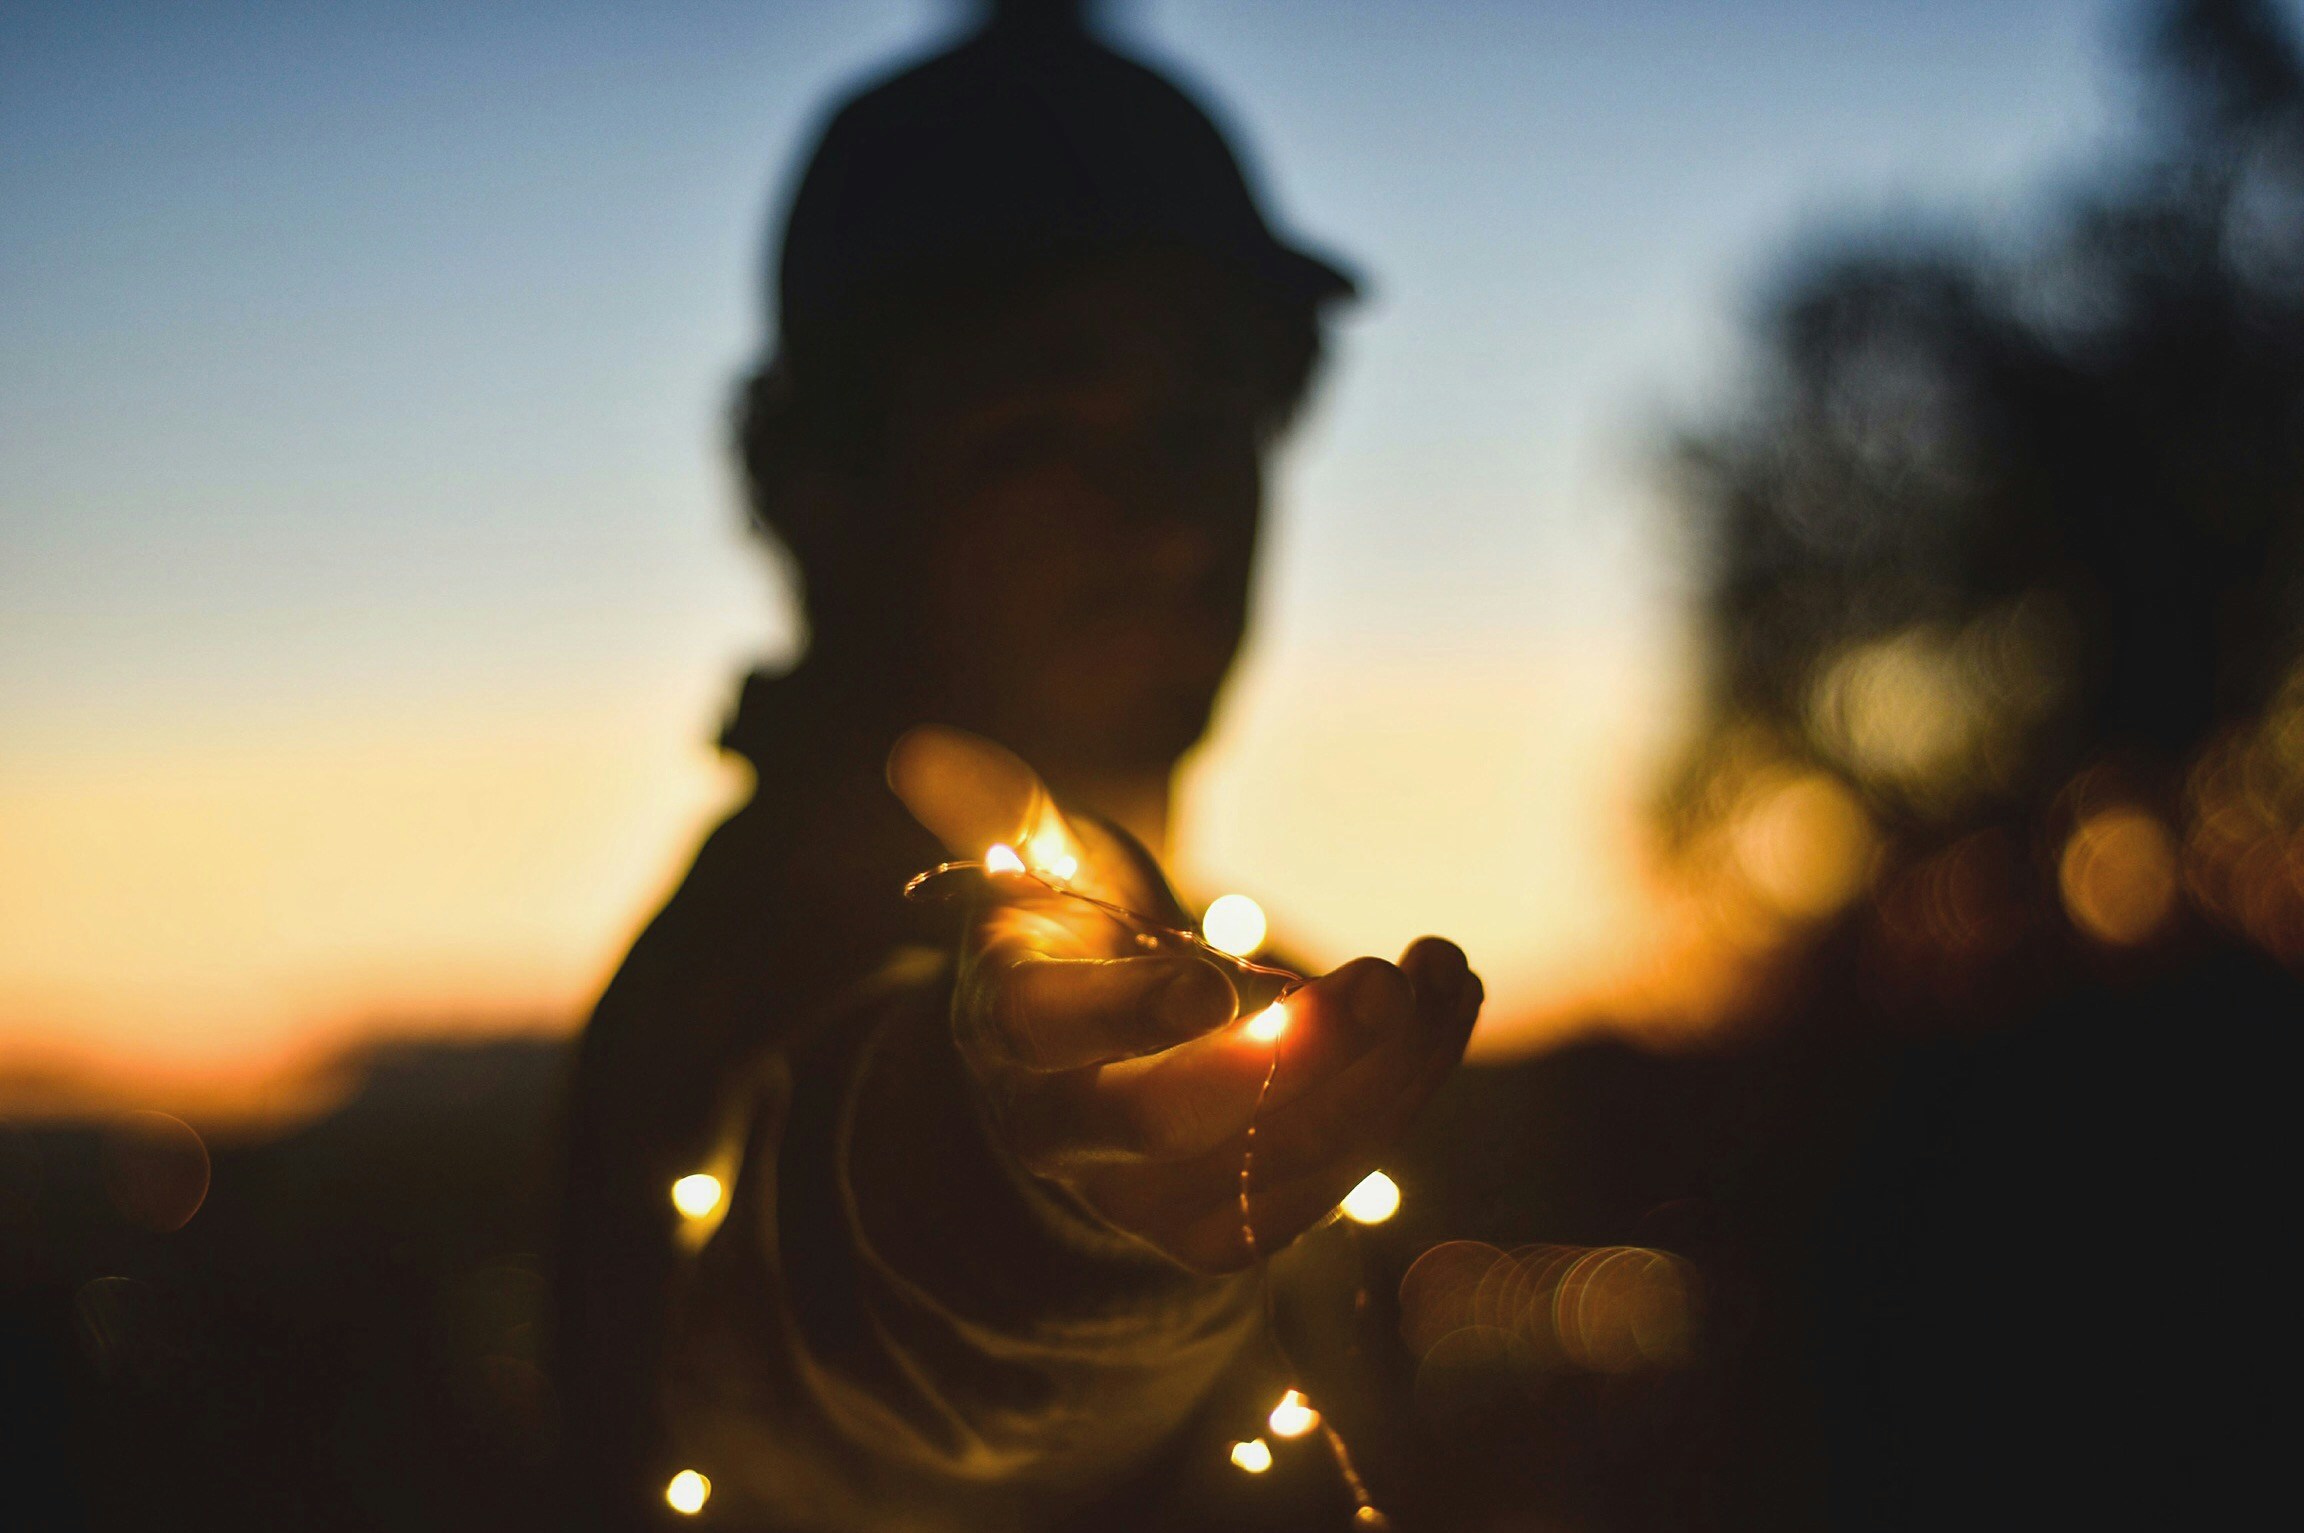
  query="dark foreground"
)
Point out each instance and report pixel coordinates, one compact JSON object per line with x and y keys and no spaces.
{"x":2014,"y":1270}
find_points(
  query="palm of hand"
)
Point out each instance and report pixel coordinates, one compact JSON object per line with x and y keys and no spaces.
{"x":1116,"y":1064}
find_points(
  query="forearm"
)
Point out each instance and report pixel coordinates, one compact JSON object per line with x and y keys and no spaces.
{"x":897,"y":1318}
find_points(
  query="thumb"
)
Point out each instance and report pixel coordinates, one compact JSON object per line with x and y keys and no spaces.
{"x":968,"y":791}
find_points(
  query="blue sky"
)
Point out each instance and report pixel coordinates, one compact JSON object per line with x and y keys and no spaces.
{"x":361,"y":380}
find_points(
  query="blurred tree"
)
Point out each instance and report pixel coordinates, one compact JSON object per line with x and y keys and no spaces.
{"x":1997,"y":514}
{"x":2000,"y":780}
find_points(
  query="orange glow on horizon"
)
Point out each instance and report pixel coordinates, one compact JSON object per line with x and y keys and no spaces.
{"x":1504,"y":805}
{"x":208,"y":924}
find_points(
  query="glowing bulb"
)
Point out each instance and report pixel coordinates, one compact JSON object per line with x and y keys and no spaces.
{"x":1267,"y":1025}
{"x":1375,"y":1200}
{"x":697,"y":1195}
{"x":1293,"y":1416}
{"x":1252,"y":1456}
{"x":1052,"y":855}
{"x":1002,"y":858}
{"x":1234,"y":924}
{"x":687,"y":1493}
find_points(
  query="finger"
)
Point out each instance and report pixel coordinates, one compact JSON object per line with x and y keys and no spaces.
{"x":1119,"y":867}
{"x":1217,"y":1241}
{"x":1372,"y":1100}
{"x":1356,"y":1111}
{"x":1437,"y":969}
{"x":1336,"y":1019}
{"x":1063,"y":1014}
{"x":968,"y":792}
{"x":973,"y":794}
{"x":1194,"y":1101}
{"x":1179,"y":1103}
{"x":1289,"y":1190}
{"x":1368,"y":1106}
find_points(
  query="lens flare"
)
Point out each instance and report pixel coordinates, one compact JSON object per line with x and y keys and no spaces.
{"x":1375,"y":1200}
{"x":1253,"y":1455}
{"x":1804,"y":844}
{"x":156,"y":1169}
{"x":696,"y":1195}
{"x":2118,"y":876}
{"x":1234,"y":924}
{"x":687,"y":1493}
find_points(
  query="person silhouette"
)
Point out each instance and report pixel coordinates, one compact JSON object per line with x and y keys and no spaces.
{"x":972,"y":1248}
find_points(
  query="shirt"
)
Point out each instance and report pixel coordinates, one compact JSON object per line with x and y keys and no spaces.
{"x":884,"y":1322}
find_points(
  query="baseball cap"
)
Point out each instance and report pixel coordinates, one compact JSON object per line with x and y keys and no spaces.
{"x":1031,"y":139}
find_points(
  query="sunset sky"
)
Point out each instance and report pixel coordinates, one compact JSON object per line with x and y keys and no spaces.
{"x":371,"y":579}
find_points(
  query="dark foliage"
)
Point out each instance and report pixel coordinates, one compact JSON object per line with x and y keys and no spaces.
{"x":2065,"y":472}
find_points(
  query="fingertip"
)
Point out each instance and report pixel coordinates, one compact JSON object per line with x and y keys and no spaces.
{"x":1437,"y":967}
{"x":1467,"y":1018}
{"x":1376,"y":994}
{"x":906,"y":749}
{"x":1196,"y":999}
{"x":912,"y":763}
{"x":1436,"y":953}
{"x":966,"y":789}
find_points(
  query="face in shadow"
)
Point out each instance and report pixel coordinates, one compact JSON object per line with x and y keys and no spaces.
{"x":1087,"y":459}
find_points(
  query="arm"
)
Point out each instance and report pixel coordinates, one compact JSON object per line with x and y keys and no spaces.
{"x":897,"y":1324}
{"x":986,"y":1250}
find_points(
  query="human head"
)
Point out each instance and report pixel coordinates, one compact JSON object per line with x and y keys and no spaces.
{"x":1034,"y":338}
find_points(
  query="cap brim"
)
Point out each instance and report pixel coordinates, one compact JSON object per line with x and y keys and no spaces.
{"x":1312,"y":277}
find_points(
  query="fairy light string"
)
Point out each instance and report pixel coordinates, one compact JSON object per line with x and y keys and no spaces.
{"x":1294,"y":1415}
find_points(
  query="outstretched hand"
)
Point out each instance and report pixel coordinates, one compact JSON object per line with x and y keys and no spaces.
{"x":1126,"y":1072}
